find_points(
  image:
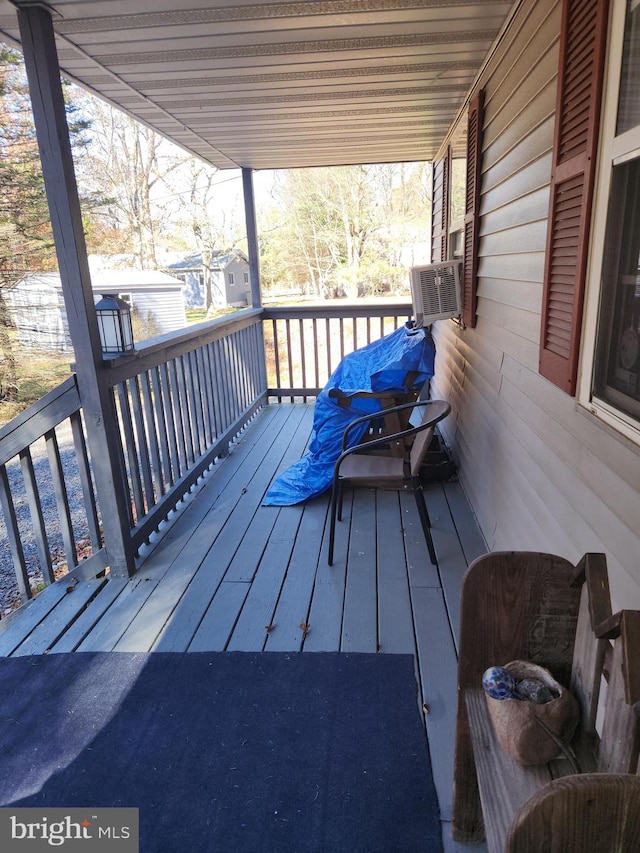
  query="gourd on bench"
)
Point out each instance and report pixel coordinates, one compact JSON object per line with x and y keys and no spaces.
{"x":540,"y":608}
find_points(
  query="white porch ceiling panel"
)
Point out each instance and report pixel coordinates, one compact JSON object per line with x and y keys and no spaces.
{"x":267,"y":85}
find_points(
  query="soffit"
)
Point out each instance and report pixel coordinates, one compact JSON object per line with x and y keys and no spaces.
{"x":268,"y":85}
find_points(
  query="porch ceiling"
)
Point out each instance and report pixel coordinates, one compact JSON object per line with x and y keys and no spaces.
{"x":264,"y":85}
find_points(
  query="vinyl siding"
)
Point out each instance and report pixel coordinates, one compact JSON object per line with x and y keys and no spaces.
{"x":167,"y":309}
{"x":540,"y":473}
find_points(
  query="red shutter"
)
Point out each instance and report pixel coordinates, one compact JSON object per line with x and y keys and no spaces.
{"x":580,"y":74}
{"x":472,"y":210}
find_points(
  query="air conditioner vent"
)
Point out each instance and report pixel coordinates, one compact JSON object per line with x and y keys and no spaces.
{"x":436,"y":292}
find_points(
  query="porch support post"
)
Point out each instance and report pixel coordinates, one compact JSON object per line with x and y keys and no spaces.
{"x":43,"y":74}
{"x":252,"y":237}
{"x":253,"y":250}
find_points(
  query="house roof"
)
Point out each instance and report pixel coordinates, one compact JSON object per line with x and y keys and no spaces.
{"x":268,"y":85}
{"x":219,"y":260}
{"x":110,"y":281}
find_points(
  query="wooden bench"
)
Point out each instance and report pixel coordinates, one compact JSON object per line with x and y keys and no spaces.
{"x":539,"y":607}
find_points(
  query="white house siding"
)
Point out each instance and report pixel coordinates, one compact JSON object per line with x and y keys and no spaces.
{"x":167,"y":308}
{"x":38,"y":313}
{"x":540,"y":472}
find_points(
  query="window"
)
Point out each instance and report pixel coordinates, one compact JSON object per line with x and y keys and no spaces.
{"x":617,"y":365}
{"x":231,"y":279}
{"x":181,"y":277}
{"x":457,"y":194}
{"x":440,"y":210}
{"x":246,"y":278}
{"x":613,"y":359}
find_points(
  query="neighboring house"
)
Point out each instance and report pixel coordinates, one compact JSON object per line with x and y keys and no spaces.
{"x":230,"y":283}
{"x":39,"y":313}
{"x":544,"y":377}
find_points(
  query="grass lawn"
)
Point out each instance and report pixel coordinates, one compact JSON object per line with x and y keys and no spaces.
{"x":37,"y":373}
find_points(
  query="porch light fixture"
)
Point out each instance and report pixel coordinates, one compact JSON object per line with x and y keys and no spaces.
{"x":114,"y":325}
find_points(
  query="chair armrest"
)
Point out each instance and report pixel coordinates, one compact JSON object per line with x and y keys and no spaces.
{"x":382,"y":413}
{"x":442,"y":409}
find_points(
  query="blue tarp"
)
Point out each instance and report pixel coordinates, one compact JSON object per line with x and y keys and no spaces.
{"x":380,"y":366}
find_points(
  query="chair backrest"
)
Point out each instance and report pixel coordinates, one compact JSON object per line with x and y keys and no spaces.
{"x":431,"y":415}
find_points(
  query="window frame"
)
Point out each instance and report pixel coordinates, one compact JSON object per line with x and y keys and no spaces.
{"x":613,"y":151}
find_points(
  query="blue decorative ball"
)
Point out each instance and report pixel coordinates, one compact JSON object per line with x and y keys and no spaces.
{"x":499,"y":683}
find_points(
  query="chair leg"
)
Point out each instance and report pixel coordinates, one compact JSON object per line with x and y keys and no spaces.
{"x":340,"y":496}
{"x":424,"y":518}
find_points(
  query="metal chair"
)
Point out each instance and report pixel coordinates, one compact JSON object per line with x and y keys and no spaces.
{"x":363,"y":465}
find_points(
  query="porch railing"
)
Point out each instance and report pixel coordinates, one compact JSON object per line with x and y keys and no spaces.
{"x":182,"y":399}
{"x":305,"y":344}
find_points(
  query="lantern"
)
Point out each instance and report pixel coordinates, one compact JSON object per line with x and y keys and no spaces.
{"x":114,"y":324}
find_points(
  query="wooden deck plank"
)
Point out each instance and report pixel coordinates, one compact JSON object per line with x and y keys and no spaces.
{"x":245,"y":455}
{"x":245,"y":560}
{"x":437,"y":664}
{"x":84,"y":624}
{"x":147,"y":624}
{"x":327,"y":602}
{"x":217,"y":623}
{"x":251,"y":495}
{"x":46,"y":634}
{"x":291,"y":618}
{"x":452,"y":562}
{"x":471,"y":539}
{"x":233,"y":522}
{"x":257,"y":620}
{"x":360,"y":619}
{"x":395,"y":622}
{"x":18,"y":628}
{"x":110,"y":628}
{"x":419,"y":567}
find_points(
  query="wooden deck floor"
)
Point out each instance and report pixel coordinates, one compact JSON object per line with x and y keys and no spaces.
{"x":230,"y":574}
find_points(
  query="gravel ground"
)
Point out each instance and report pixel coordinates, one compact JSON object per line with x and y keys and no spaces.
{"x":9,"y":596}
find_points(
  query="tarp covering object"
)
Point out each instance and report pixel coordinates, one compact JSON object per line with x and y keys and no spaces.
{"x":380,"y":366}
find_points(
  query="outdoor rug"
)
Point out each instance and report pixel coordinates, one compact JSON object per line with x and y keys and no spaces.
{"x":225,"y":752}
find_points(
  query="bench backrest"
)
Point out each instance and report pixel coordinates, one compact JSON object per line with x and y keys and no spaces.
{"x":515,"y":606}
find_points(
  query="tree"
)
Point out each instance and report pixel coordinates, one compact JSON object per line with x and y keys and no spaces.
{"x":26,"y":240}
{"x":130,"y":164}
{"x":345,"y":231}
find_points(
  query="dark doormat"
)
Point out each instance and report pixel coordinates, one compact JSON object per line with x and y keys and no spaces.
{"x":227,"y":752}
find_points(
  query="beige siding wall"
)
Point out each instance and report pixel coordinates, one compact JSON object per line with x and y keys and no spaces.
{"x":541,"y":473}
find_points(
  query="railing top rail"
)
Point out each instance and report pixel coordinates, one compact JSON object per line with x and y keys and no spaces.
{"x":163,"y":348}
{"x":331,"y":310}
{"x":43,"y":415}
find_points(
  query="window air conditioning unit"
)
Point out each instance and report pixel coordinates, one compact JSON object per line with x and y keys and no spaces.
{"x":436,"y":292}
